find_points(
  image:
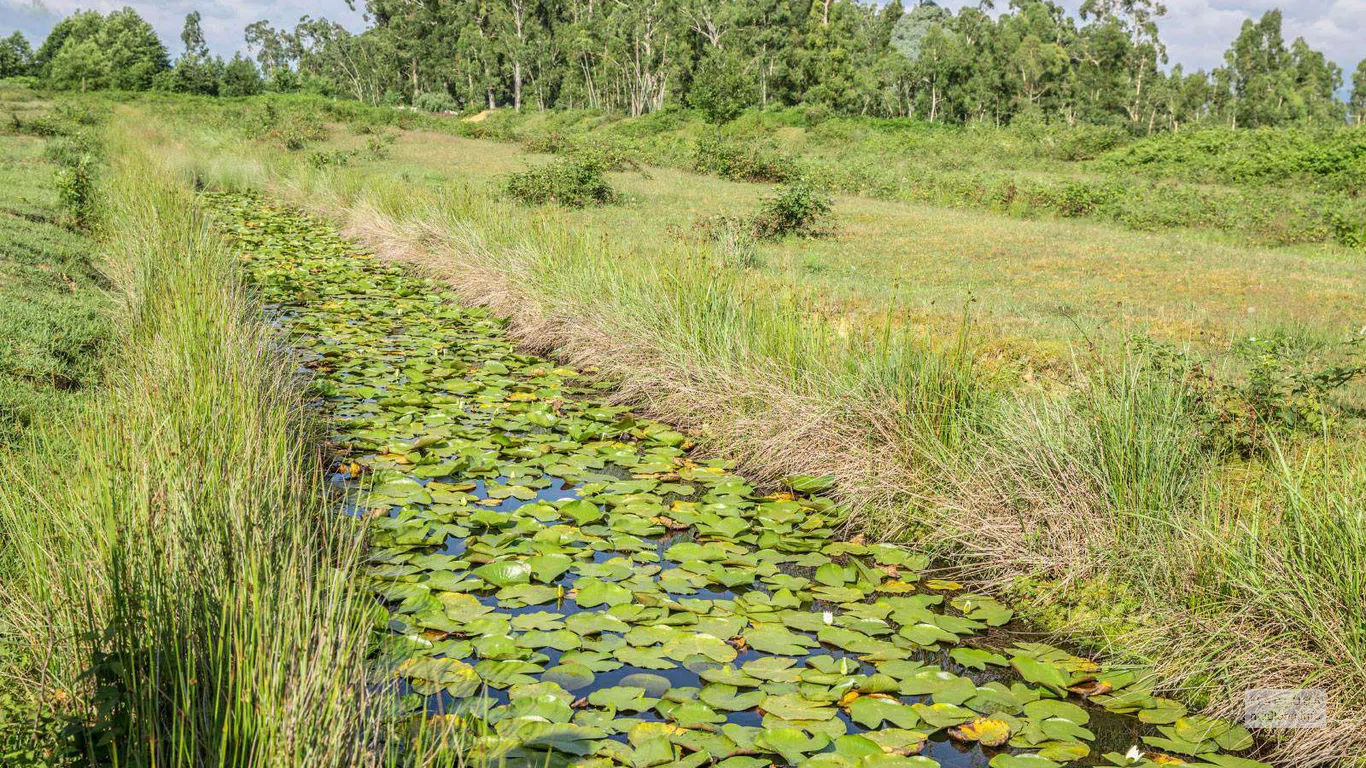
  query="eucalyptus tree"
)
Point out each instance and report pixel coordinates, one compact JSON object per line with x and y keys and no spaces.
{"x":1358,"y":98}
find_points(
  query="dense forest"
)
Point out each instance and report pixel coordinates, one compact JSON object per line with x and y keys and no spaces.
{"x":1032,"y":60}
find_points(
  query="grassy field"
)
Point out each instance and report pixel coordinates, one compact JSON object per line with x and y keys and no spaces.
{"x":1201,"y":513}
{"x":1030,"y":286}
{"x":1275,"y":187}
{"x":52,"y":304}
{"x":1149,"y":440}
{"x":178,"y":588}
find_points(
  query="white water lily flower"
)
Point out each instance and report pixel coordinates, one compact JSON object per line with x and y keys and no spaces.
{"x":1135,"y":754}
{"x":828,"y":617}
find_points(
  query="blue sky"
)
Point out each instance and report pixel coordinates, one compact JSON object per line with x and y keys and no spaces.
{"x":1197,"y":31}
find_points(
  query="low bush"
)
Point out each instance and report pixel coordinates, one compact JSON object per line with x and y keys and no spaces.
{"x":1288,"y":387}
{"x":435,"y":102}
{"x":574,"y":182}
{"x":739,"y":162}
{"x":378,"y":146}
{"x":330,"y":158}
{"x":799,"y":208}
{"x":77,"y":169}
{"x":1334,"y":158}
{"x":549,"y":143}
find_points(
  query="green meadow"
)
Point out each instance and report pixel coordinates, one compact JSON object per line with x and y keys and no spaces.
{"x":325,"y":446}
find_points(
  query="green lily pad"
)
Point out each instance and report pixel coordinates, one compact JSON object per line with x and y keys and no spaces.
{"x":729,"y":698}
{"x":505,"y":573}
{"x":794,"y":707}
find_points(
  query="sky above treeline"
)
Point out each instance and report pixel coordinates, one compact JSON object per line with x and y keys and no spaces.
{"x":1197,"y":32}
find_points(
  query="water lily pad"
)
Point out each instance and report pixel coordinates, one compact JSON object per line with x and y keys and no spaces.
{"x":943,"y":715}
{"x":791,"y":743}
{"x":794,"y":707}
{"x":699,"y":644}
{"x":570,"y":676}
{"x":1025,"y":760}
{"x":505,"y":573}
{"x":974,"y":658}
{"x":988,"y":731}
{"x":728,"y":697}
{"x":873,"y":711}
{"x":652,"y":685}
{"x":622,"y":697}
{"x":773,"y":638}
{"x":592,"y":592}
{"x":549,"y":567}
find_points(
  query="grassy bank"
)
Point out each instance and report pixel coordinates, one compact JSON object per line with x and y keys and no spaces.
{"x":52,"y":303}
{"x":1116,"y":500}
{"x":177,"y":583}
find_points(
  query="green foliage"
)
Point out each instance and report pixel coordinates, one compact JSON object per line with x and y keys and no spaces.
{"x":721,"y":89}
{"x":797,"y":209}
{"x":242,"y":557}
{"x":241,"y":78}
{"x":1358,"y":98}
{"x":574,"y":182}
{"x":435,"y":101}
{"x":1331,"y":157}
{"x":16,"y":56}
{"x":133,"y":53}
{"x":741,"y":161}
{"x":76,"y":178}
{"x":193,"y":74}
{"x":1273,"y":85}
{"x":379,"y":146}
{"x":329,"y":158}
{"x":87,"y":51}
{"x":33,"y":732}
{"x":1286,"y":388}
{"x":52,"y":313}
{"x":290,"y":128}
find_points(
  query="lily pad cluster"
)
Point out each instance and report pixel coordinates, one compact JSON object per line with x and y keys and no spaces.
{"x":566,"y":575}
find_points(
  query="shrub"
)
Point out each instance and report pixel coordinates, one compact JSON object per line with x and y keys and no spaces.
{"x":574,"y":182}
{"x":378,"y":145}
{"x":551,"y":143}
{"x":435,"y":102}
{"x":798,"y":209}
{"x":1086,"y":142}
{"x":738,"y":162}
{"x":1286,"y":389}
{"x":721,"y":89}
{"x":334,"y":158}
{"x":1080,"y":197}
{"x":76,"y":158}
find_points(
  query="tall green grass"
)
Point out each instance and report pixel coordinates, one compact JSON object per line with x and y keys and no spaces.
{"x":175,"y":574}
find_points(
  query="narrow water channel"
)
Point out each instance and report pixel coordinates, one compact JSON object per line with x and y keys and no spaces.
{"x":570,"y":576}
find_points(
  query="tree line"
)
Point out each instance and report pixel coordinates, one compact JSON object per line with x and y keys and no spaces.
{"x":88,"y":51}
{"x":1033,"y":60}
